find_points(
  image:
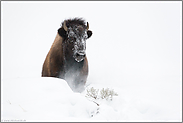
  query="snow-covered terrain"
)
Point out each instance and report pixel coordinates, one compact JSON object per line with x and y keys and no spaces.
{"x":51,"y":99}
{"x":42,"y":99}
{"x":135,"y":50}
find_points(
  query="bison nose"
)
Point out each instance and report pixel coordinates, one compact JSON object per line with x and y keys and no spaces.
{"x":81,"y":54}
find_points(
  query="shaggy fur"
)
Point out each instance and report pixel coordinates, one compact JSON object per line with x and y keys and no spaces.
{"x":59,"y":61}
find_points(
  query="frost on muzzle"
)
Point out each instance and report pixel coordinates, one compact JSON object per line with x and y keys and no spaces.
{"x":79,"y":49}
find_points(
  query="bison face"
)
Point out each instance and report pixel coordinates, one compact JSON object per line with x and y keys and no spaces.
{"x":75,"y":40}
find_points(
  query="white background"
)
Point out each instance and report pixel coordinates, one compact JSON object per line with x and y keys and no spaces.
{"x":135,"y":46}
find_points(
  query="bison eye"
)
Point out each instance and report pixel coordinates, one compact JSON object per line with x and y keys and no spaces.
{"x":72,"y":39}
{"x":85,"y":37}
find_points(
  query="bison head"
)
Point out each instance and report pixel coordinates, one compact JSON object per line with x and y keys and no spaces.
{"x":75,"y":34}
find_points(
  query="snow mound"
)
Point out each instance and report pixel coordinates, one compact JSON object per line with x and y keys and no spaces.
{"x":46,"y":99}
{"x":43,"y":99}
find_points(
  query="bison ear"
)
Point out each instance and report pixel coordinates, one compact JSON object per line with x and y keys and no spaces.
{"x":62,"y":32}
{"x":89,"y":33}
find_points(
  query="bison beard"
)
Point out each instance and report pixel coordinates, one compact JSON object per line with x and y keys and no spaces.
{"x":75,"y":72}
{"x":74,"y":76}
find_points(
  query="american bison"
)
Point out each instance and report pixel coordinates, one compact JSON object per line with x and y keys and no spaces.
{"x":67,"y":57}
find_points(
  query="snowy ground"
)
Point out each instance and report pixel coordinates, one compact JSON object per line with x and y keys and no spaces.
{"x":51,"y":99}
{"x":136,"y":52}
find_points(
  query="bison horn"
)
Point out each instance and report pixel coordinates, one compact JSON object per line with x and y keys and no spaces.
{"x":87,"y":26}
{"x":65,"y":27}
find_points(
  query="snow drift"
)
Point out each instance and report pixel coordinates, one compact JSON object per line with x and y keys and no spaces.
{"x":51,"y":99}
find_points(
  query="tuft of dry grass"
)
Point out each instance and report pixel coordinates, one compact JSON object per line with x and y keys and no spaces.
{"x":107,"y":93}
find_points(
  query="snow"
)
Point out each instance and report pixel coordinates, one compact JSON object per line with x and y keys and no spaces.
{"x":51,"y":99}
{"x":137,"y":53}
{"x":43,"y":99}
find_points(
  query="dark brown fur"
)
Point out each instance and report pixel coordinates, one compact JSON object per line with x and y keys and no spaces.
{"x":61,"y":64}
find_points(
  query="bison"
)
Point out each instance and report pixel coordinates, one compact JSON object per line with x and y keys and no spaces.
{"x":66,"y":58}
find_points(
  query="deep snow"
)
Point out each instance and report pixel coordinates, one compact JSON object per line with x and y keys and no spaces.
{"x":135,"y":49}
{"x":51,"y":99}
{"x":43,"y":99}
